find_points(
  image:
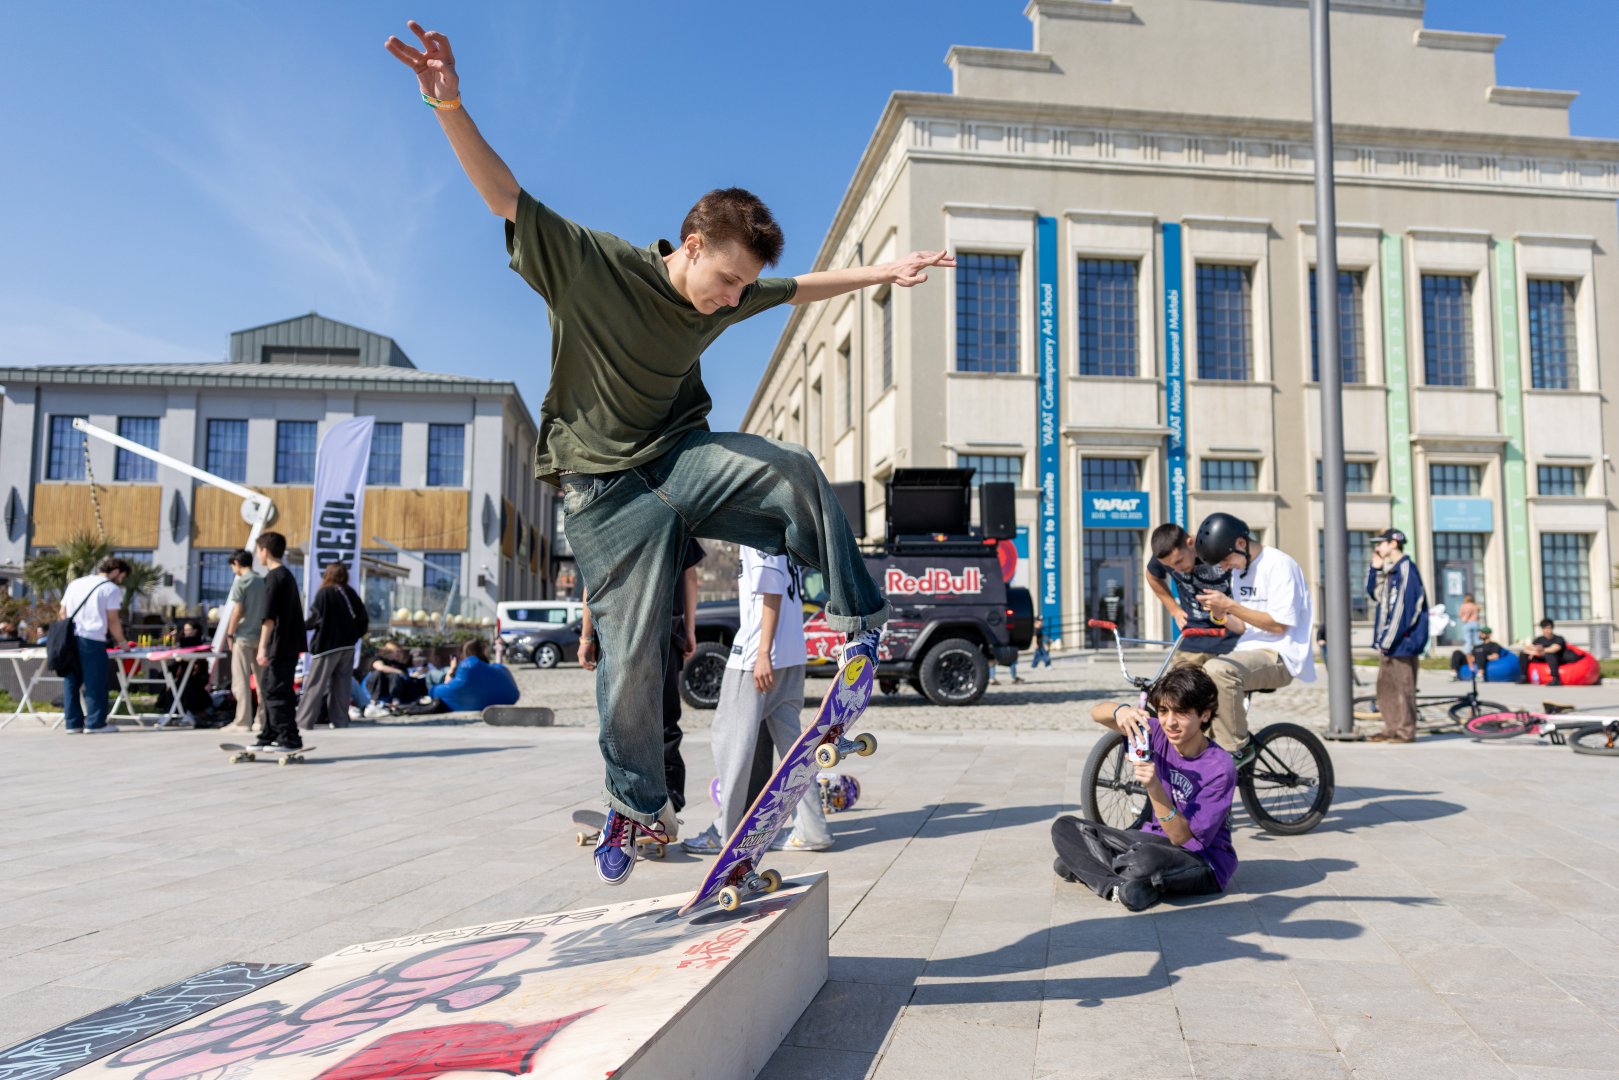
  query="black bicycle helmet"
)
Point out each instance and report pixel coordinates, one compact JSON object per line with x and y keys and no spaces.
{"x":1218,"y":535}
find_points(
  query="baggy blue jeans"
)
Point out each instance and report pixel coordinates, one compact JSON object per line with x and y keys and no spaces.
{"x":92,"y":679}
{"x":628,"y":531}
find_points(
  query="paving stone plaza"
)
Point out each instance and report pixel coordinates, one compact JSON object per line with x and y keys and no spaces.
{"x":1454,"y":916}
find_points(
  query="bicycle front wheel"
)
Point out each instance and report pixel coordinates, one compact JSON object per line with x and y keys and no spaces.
{"x":1462,"y":712}
{"x":1365,"y":708}
{"x":1288,"y":786}
{"x":1109,"y":793}
{"x":1498,"y":725}
{"x":1595,"y":739}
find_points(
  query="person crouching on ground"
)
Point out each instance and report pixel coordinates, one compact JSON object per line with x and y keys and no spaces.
{"x":1184,"y":848}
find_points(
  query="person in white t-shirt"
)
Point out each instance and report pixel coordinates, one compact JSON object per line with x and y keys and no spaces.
{"x":1269,"y":596}
{"x":92,"y":603}
{"x":763,"y":682}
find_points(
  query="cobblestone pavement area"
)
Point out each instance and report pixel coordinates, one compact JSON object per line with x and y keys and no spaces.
{"x":1453,"y":917}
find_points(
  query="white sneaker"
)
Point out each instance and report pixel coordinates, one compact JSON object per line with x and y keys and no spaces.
{"x":354,"y":712}
{"x":798,"y":843}
{"x":375,"y":711}
{"x":669,"y":823}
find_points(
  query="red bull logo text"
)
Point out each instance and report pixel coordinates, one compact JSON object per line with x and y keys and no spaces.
{"x":935,"y":581}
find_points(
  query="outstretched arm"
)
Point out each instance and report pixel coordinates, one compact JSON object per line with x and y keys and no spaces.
{"x":434,"y":65}
{"x":911,"y":270}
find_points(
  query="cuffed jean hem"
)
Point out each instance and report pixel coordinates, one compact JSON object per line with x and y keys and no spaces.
{"x":850,"y":624}
{"x":625,"y":809}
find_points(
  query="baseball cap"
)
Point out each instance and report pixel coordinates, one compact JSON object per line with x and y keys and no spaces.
{"x":1485,"y":630}
{"x":1390,"y":534}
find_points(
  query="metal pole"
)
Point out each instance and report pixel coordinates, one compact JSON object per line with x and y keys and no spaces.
{"x":1335,"y":562}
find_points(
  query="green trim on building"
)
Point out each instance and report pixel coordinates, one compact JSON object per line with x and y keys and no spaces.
{"x":1398,"y":378}
{"x":1515,"y":471}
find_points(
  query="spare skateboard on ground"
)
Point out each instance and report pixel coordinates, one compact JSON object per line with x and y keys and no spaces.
{"x":735,"y":875}
{"x":595,"y":821}
{"x":238,"y":752}
{"x":839,"y":791}
{"x":518,"y":716}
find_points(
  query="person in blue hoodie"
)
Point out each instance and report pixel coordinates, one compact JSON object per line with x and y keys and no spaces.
{"x":1400,"y":633}
{"x":475,"y":685}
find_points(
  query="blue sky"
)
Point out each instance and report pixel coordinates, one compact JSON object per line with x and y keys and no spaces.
{"x":175,"y":172}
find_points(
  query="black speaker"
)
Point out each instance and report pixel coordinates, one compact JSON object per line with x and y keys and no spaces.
{"x":997,"y":510}
{"x":929,"y":501}
{"x":852,"y":497}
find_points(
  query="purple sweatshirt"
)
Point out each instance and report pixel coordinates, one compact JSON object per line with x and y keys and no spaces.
{"x":1202,"y":788}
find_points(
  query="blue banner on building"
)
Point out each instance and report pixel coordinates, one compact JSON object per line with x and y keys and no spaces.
{"x":1175,"y":373}
{"x":1116,"y":509}
{"x":1050,"y":384}
{"x":1462,"y":514}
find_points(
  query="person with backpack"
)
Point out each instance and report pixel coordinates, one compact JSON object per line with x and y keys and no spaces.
{"x":339,"y":620}
{"x":90,"y":610}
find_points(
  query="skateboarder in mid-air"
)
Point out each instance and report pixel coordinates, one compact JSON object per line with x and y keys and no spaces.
{"x":624,"y":432}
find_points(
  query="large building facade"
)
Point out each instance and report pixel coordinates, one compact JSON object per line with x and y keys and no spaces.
{"x":1129,"y":335}
{"x":453,"y":514}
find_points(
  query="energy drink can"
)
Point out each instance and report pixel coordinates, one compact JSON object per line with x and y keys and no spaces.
{"x":1137,"y":750}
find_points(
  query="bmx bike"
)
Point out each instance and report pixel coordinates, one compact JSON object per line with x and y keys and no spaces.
{"x":1286,"y":786}
{"x":1584,"y":733}
{"x":1437,"y":712}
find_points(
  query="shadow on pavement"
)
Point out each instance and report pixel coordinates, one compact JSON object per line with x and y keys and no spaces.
{"x":400,"y":755}
{"x":941,"y":819}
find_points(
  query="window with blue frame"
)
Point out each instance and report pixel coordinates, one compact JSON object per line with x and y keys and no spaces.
{"x":1224,"y":474}
{"x":295,"y":442}
{"x":1357,"y":476}
{"x":64,"y":457}
{"x":1565,"y":575}
{"x":993,"y":468}
{"x":380,"y":589}
{"x":1351,"y":327}
{"x":1107,"y":317}
{"x":1562,"y":480}
{"x":1455,"y":479}
{"x":386,"y":442}
{"x":440,"y":574}
{"x":1553,"y":351}
{"x":214,"y":577}
{"x":128,"y":466}
{"x":1110,"y":474}
{"x":1224,"y":321}
{"x":987,"y":313}
{"x":1447,"y":329}
{"x":446,"y":447}
{"x":226,"y":450}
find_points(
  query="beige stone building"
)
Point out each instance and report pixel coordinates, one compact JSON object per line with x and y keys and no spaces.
{"x":1129,"y":336}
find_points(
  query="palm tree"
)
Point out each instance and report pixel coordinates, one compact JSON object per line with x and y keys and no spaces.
{"x":80,"y":554}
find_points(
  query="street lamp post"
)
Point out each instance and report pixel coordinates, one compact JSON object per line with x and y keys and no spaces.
{"x":1335,"y":559}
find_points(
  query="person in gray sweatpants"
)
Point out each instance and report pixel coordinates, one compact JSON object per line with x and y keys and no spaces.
{"x":763,"y":683}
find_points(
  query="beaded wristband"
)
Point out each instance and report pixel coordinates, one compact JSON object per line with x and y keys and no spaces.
{"x":435,"y":103}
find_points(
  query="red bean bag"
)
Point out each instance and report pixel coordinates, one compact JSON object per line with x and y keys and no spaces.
{"x":1581,"y":669}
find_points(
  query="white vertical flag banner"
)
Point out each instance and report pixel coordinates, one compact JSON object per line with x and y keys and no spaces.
{"x":339,"y":502}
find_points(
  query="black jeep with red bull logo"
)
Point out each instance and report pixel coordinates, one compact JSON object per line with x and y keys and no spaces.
{"x":954,"y":611}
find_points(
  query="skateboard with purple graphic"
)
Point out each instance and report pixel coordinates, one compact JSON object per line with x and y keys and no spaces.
{"x":735,"y":875}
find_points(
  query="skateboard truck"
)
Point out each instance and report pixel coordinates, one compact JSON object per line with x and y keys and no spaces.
{"x":829,"y":753}
{"x":731,"y":897}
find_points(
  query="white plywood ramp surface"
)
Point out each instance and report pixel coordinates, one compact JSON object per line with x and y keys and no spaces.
{"x":632,"y":991}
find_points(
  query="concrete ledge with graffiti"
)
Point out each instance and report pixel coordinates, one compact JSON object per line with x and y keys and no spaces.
{"x":629,"y":990}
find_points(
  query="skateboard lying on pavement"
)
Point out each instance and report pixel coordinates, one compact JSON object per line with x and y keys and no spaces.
{"x":595,"y":821}
{"x":735,"y":874}
{"x":839,"y":792}
{"x":518,"y":716}
{"x":238,"y":752}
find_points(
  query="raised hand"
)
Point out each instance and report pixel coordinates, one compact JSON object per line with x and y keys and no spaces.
{"x":433,"y":63}
{"x":911,"y":270}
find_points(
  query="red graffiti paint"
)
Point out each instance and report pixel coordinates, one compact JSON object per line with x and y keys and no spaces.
{"x":427,"y":1053}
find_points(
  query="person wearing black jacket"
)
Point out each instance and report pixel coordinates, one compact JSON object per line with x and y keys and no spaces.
{"x":339,"y":620}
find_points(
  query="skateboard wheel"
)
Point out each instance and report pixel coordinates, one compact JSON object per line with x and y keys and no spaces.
{"x":659,"y":851}
{"x":582,"y":839}
{"x":770,"y":881}
{"x":730,"y":898}
{"x":868,"y":744}
{"x":827,"y":756}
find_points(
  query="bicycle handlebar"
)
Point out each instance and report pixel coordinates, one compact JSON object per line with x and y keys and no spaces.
{"x":1203,"y":631}
{"x":1101,"y":624}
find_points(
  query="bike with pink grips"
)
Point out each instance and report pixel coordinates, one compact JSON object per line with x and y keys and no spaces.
{"x":735,"y":874}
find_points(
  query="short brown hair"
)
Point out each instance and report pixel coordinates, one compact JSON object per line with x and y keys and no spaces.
{"x":736,"y":216}
{"x":272,"y":544}
{"x":242,"y":557}
{"x":475,"y":647}
{"x":1166,"y":538}
{"x":112,"y":563}
{"x":337,"y":573}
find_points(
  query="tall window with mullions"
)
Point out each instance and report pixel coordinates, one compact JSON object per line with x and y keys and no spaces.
{"x":1224,"y":322}
{"x":295,"y":442}
{"x":1553,"y":350}
{"x":987,"y":313}
{"x":226,"y":449}
{"x":133,"y":467}
{"x":1351,"y":327}
{"x":1107,"y":317}
{"x":993,"y":468}
{"x":1565,"y":576}
{"x":64,"y":457}
{"x":1447,"y":329}
{"x":214,"y":577}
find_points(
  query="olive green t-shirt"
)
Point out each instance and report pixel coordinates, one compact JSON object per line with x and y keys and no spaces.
{"x":625,"y":378}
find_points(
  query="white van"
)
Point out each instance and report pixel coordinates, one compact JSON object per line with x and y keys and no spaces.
{"x":519,"y":616}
